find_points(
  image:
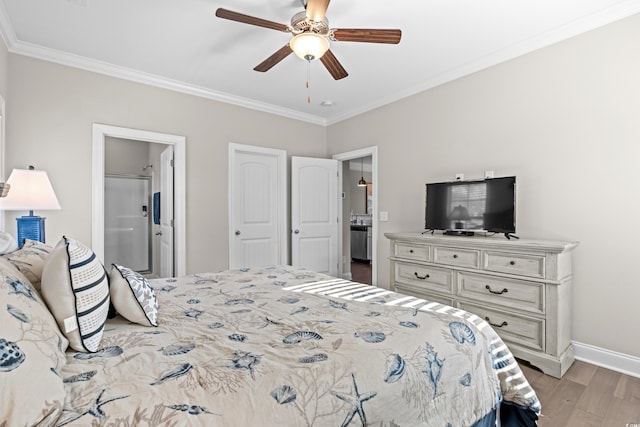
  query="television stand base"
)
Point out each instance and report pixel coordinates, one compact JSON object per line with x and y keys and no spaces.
{"x":510,"y":236}
{"x":458,"y":233}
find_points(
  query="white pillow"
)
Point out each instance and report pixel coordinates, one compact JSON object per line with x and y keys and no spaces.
{"x":76,"y":289}
{"x":132,"y":296}
{"x":7,"y":243}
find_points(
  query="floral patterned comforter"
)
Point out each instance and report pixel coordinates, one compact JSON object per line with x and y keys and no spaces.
{"x":280,"y":346}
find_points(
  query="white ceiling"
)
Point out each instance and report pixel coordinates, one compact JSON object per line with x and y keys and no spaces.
{"x":182,"y":45}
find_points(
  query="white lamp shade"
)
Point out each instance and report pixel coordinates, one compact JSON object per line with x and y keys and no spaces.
{"x":309,"y":46}
{"x":30,"y":190}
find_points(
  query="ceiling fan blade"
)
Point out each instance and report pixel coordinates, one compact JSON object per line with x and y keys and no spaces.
{"x":334,"y":67}
{"x":268,"y":63}
{"x":252,"y":20}
{"x":367,"y":35}
{"x":317,"y":9}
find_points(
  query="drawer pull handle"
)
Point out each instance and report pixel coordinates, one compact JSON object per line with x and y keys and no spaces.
{"x":410,"y":251}
{"x":495,"y":325}
{"x":512,"y":263}
{"x":504,"y":291}
{"x":426,"y":276}
{"x":455,"y":255}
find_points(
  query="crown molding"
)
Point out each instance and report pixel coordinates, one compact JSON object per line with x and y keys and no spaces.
{"x":6,"y":29}
{"x":618,"y":12}
{"x":80,"y":62}
{"x":76,"y":61}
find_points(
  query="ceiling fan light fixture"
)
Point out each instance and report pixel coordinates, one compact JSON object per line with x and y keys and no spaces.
{"x":309,"y":46}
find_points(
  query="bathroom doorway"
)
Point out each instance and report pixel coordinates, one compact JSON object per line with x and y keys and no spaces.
{"x":152,"y":145}
{"x":132,"y":176}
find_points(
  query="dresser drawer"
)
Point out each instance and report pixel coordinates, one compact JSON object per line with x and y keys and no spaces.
{"x":420,"y":292}
{"x":456,"y":257}
{"x":518,"y":294}
{"x":411,"y":251}
{"x":520,"y":264}
{"x":512,"y":328}
{"x":424,"y":277}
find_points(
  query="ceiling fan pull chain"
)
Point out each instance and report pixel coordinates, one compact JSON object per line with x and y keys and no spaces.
{"x":308,"y":80}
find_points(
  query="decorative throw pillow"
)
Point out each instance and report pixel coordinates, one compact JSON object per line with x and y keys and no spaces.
{"x":7,"y":243}
{"x":29,"y":260}
{"x":76,"y":289}
{"x":132,"y":296}
{"x":31,"y":354}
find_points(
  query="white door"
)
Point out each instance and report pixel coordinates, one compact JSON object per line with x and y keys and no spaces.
{"x":257,"y":206}
{"x":314,"y":214}
{"x":166,"y":213}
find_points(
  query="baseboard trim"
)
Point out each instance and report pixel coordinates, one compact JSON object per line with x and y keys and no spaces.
{"x":619,"y":362}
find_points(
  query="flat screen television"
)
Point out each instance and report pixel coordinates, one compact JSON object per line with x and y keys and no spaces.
{"x":464,"y":207}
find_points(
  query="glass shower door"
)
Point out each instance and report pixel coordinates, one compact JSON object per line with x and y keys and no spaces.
{"x":127,"y":222}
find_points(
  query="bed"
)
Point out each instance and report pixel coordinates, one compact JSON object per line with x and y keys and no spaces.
{"x":271,"y":346}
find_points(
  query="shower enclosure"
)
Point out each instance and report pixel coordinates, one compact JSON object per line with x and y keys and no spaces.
{"x":127,"y":234}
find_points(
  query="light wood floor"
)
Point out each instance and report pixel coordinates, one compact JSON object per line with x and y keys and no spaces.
{"x":586,"y":396}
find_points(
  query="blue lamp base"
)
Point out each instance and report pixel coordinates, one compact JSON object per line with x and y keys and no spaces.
{"x":30,"y":227}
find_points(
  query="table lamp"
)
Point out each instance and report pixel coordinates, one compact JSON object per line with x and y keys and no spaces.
{"x":30,"y":190}
{"x":460,"y":214}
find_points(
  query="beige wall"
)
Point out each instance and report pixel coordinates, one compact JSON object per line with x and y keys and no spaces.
{"x":4,"y":71}
{"x":566,"y":121}
{"x":126,"y":157}
{"x":49,"y":123}
{"x":563,"y":119}
{"x":4,"y":67}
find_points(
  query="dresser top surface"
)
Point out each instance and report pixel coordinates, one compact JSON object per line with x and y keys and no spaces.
{"x":497,"y":242}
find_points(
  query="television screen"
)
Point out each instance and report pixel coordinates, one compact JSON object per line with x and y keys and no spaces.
{"x":487,"y":205}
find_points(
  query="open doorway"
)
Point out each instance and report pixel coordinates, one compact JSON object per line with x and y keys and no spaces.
{"x":134,"y":234}
{"x":358,"y":188}
{"x":158,"y":142}
{"x":359,"y":222}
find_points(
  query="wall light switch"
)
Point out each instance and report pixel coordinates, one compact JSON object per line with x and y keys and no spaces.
{"x":384,"y":216}
{"x":459,"y":176}
{"x":488,"y":174}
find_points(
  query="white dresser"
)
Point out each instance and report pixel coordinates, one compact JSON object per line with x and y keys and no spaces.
{"x":523,"y":288}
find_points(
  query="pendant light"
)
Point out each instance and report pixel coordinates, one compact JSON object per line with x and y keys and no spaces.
{"x":362,"y":182}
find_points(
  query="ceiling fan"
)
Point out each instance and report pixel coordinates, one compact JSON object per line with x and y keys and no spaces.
{"x":311,"y":36}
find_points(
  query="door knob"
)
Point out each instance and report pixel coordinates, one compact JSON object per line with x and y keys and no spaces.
{"x":158,"y":233}
{"x":237,"y":232}
{"x":296,"y":231}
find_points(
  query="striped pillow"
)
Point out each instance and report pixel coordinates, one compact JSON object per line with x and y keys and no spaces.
{"x":75,"y":287}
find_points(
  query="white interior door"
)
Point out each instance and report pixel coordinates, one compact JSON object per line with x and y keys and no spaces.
{"x":166,"y":213}
{"x":314,"y":214}
{"x":257,"y":206}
